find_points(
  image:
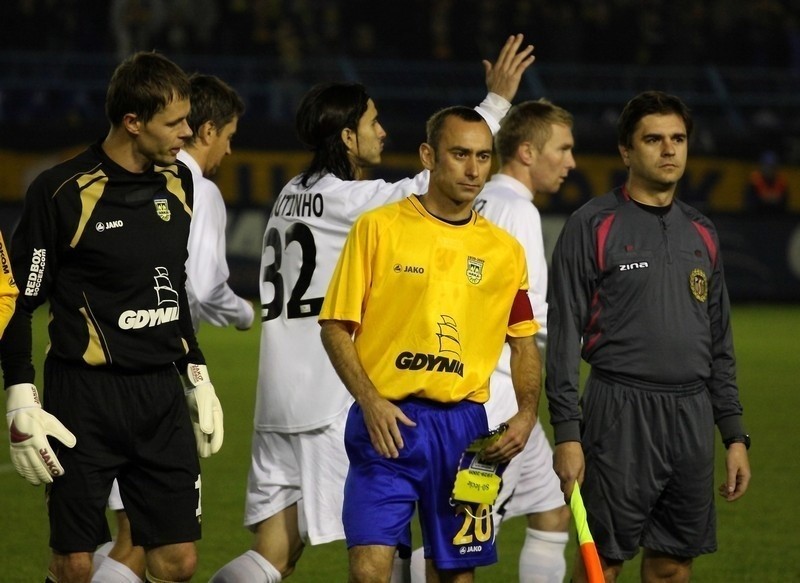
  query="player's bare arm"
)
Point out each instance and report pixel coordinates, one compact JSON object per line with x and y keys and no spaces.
{"x":526,"y":376}
{"x":380,"y":415}
{"x":737,"y":466}
{"x":503,"y":77}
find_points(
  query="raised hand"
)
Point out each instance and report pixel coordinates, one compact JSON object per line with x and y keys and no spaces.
{"x":503,"y":76}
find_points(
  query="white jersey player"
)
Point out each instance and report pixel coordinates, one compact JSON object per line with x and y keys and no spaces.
{"x":298,"y":466}
{"x":211,"y":299}
{"x":534,"y":147}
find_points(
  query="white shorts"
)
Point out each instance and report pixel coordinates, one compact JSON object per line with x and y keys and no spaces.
{"x":114,"y":499}
{"x":530,"y":485}
{"x":306,"y":468}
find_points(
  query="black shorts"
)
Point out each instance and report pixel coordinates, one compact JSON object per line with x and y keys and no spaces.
{"x":649,"y":478}
{"x":133,"y":427}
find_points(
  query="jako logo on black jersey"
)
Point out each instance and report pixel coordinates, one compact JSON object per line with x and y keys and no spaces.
{"x":102,"y":226}
{"x":419,"y":361}
{"x":635,"y":265}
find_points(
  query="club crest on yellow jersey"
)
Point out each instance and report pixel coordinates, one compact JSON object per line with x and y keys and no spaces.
{"x":162,"y":209}
{"x":474,"y":270}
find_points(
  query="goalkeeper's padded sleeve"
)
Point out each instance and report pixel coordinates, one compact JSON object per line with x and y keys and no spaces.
{"x":28,"y":428}
{"x":205,"y":410}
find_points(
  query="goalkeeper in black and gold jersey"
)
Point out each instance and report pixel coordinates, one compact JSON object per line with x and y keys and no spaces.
{"x":103,"y":238}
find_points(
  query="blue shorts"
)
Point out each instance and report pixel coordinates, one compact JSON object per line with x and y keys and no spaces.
{"x":380,"y":495}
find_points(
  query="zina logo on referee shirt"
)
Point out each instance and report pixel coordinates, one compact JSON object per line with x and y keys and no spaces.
{"x":449,"y":343}
{"x":167,"y":310}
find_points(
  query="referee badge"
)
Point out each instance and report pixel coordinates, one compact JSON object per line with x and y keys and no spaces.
{"x":162,"y":209}
{"x":698,"y":283}
{"x":474,"y":270}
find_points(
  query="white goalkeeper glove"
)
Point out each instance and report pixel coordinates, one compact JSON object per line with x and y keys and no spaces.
{"x":204,"y":409}
{"x":28,"y":428}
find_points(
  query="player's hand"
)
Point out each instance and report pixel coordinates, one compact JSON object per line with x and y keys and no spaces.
{"x":569,"y":465}
{"x":737,"y":466}
{"x":252,"y":318}
{"x":205,"y":410}
{"x":381,"y":417}
{"x":513,"y":440}
{"x":503,"y":77}
{"x":28,"y":427}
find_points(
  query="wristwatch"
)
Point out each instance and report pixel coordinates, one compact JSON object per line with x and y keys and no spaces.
{"x":745,"y":439}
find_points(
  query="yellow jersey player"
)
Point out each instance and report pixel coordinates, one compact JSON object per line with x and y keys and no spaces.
{"x":423,"y":298}
{"x":8,"y":287}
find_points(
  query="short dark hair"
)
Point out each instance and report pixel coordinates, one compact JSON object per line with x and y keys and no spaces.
{"x":144,"y":84}
{"x":326,"y":110}
{"x":213,"y":101}
{"x":435,"y":125}
{"x":648,"y":103}
{"x":528,"y":121}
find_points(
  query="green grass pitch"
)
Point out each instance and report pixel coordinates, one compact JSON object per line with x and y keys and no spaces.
{"x":758,"y":538}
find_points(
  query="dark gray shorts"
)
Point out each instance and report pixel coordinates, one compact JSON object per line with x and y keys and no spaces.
{"x":133,"y":427}
{"x":649,"y":478}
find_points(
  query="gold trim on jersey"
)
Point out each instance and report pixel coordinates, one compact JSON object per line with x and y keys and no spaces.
{"x":93,"y":354}
{"x":174,"y":185}
{"x":91,"y":188}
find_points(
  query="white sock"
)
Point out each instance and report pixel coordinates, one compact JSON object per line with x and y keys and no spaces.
{"x":111,"y":571}
{"x":101,"y":554}
{"x":401,"y":569}
{"x":541,"y":559}
{"x":418,"y":566}
{"x":247,"y":568}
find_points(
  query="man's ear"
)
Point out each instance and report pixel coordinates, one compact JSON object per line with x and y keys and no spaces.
{"x":626,"y":155}
{"x":132,"y":123}
{"x":427,"y":156}
{"x":526,"y":153}
{"x":350,"y":140}
{"x":206,"y":132}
